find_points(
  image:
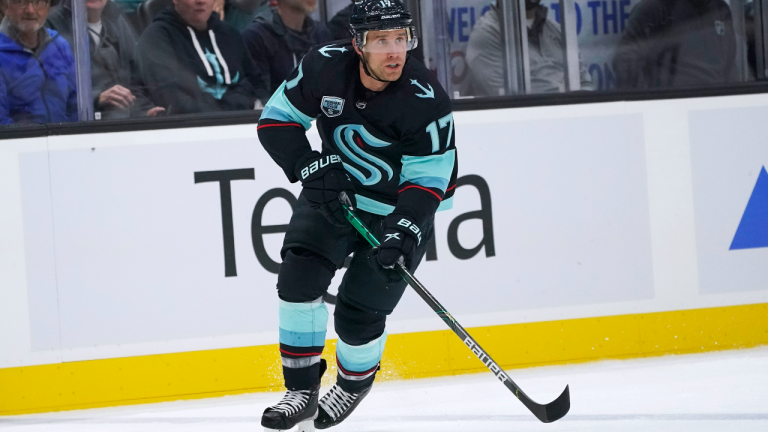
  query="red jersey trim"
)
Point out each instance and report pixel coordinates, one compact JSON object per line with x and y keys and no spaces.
{"x":422,"y":188}
{"x":278,"y":125}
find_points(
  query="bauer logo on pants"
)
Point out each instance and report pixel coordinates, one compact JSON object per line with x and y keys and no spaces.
{"x":332,"y":106}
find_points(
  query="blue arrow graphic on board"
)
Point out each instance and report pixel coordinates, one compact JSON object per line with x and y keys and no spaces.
{"x":324,"y":50}
{"x":753,"y":229}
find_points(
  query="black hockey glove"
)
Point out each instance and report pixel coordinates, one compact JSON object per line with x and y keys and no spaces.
{"x":323,"y":177}
{"x":399,"y":238}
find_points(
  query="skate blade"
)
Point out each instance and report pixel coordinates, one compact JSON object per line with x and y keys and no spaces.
{"x":307,"y":425}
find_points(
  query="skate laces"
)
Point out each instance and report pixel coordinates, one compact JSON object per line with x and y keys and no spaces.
{"x":293,"y":402}
{"x":337,"y":401}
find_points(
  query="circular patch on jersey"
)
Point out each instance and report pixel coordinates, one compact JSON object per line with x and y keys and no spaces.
{"x":332,"y":105}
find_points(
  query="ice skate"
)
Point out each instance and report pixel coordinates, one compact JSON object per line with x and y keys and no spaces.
{"x":296,"y":408}
{"x":336,"y":406}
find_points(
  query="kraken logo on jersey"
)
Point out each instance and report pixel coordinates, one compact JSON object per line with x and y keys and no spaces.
{"x":332,"y":105}
{"x":344,"y":136}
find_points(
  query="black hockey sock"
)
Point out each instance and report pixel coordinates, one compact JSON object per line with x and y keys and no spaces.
{"x":350,"y":382}
{"x":305,"y":378}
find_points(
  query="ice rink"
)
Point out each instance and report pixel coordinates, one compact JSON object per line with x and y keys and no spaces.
{"x":713,"y":392}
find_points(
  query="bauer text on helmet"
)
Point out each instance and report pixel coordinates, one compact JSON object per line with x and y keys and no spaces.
{"x":382,"y":16}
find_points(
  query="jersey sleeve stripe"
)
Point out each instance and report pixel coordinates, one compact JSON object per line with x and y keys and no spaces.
{"x":435,"y":166}
{"x":422,"y":188}
{"x":430,"y":182}
{"x":277,"y":125}
{"x":379,"y":208}
{"x":281,"y":109}
{"x":373,"y":206}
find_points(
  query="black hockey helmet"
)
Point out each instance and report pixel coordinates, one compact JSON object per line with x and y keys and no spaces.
{"x":376,"y":15}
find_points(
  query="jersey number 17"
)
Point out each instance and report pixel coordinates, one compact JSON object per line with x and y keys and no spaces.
{"x":435,"y":135}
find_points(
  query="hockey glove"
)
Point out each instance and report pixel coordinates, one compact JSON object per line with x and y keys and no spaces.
{"x":323,"y":177}
{"x":399,"y":238}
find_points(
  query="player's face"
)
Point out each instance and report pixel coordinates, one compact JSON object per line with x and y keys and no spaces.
{"x":385,"y":53}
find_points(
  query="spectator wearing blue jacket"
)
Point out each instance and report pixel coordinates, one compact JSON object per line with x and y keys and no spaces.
{"x":37,"y":70}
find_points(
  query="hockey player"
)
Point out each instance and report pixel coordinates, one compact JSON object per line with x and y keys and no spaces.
{"x":388,"y":141}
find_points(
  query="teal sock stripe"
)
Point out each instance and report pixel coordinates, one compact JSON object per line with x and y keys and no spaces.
{"x":361,"y":358}
{"x":303,"y":324}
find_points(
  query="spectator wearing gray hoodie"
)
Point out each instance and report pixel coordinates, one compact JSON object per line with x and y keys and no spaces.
{"x":485,"y":54}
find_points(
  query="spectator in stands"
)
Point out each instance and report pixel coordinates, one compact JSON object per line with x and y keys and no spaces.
{"x":278,"y":38}
{"x":37,"y":70}
{"x":192,"y":62}
{"x":115,"y":93}
{"x":140,"y":16}
{"x":237,"y":13}
{"x":339,"y":24}
{"x":485,"y":54}
{"x":240,"y":13}
{"x":677,"y":43}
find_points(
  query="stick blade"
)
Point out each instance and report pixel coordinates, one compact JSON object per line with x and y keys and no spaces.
{"x":558,"y":408}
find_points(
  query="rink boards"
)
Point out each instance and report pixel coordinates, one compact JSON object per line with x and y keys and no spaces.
{"x":140,"y":266}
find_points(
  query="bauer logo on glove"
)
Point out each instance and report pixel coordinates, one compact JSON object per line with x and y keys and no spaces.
{"x":400,"y":241}
{"x":323,"y":177}
{"x":317,"y":164}
{"x":411,"y":226}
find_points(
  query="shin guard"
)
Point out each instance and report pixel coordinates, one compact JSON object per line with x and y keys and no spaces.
{"x":357,"y":365}
{"x":302,"y":339}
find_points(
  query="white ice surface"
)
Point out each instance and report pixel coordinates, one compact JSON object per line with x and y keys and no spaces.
{"x":724,"y":391}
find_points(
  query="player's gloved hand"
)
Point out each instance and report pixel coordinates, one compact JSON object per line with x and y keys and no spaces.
{"x":323,"y":177}
{"x":399,"y":238}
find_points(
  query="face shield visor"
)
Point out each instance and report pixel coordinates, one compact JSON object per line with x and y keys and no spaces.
{"x":390,"y":41}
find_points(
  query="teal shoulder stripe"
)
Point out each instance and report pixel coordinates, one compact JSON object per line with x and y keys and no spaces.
{"x":281,"y":109}
{"x":435,"y":166}
{"x":274,"y":113}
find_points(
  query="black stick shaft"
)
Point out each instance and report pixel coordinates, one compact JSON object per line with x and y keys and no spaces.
{"x":546,"y":413}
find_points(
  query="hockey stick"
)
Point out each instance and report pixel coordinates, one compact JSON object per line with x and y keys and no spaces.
{"x":546,"y":413}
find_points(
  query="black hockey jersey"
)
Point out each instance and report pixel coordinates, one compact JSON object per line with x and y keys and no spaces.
{"x":396,"y":143}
